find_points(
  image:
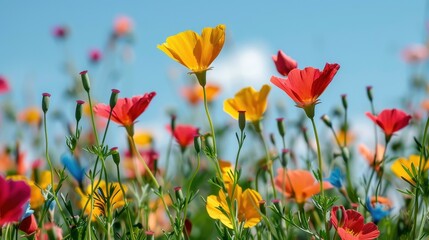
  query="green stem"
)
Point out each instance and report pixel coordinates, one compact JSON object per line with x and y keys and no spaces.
{"x":320,"y":162}
{"x":148,"y":171}
{"x":269,"y":163}
{"x":419,"y":176}
{"x":131,"y":228}
{"x":189,"y":191}
{"x":319,"y":158}
{"x":51,"y":168}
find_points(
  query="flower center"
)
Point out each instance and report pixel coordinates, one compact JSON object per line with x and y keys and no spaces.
{"x":351,"y":232}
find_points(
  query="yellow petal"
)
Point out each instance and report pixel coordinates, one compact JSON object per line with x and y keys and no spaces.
{"x":212,"y":208}
{"x":249,"y":207}
{"x":180,"y":48}
{"x":210,"y":45}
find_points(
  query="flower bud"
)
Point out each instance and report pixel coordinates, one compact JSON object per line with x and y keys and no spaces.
{"x":45,"y":101}
{"x":241,"y":120}
{"x":277,"y":205}
{"x":369,"y":93}
{"x":179,"y":194}
{"x":262,"y":207}
{"x":284,"y":63}
{"x":283,"y":158}
{"x":115,"y":155}
{"x":344,"y":101}
{"x":281,"y":126}
{"x":272,"y":139}
{"x":114,"y":98}
{"x":173,"y":122}
{"x":150,"y":235}
{"x":78,"y":112}
{"x":326,"y":120}
{"x":197,"y":144}
{"x":85,"y":80}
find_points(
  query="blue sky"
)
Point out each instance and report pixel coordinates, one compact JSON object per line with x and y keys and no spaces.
{"x":364,"y":37}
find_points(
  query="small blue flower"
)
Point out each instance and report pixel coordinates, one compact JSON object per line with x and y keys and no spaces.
{"x":377,"y":210}
{"x":336,"y":178}
{"x":28,"y":211}
{"x":73,"y":166}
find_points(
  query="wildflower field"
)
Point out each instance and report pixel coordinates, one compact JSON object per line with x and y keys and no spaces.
{"x":300,"y":176}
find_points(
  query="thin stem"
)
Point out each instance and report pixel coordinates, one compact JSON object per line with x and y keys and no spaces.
{"x":319,"y":158}
{"x":126,"y":203}
{"x":320,"y":162}
{"x":146,"y":167}
{"x":419,"y":175}
{"x":51,"y":168}
{"x":189,"y":191}
{"x":268,"y":162}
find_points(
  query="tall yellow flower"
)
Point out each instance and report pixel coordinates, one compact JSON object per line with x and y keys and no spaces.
{"x":101,"y":198}
{"x":249,"y":100}
{"x":399,"y":166}
{"x":247,"y":207}
{"x":195,"y":51}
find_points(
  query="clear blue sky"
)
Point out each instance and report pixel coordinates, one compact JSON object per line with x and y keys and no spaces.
{"x":364,"y":37}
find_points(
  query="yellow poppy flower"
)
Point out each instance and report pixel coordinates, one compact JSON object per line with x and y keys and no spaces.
{"x":247,"y":204}
{"x":36,"y":197}
{"x":195,"y":51}
{"x":143,"y":139}
{"x":31,"y":116}
{"x":116,"y":199}
{"x":249,"y":100}
{"x":399,"y":166}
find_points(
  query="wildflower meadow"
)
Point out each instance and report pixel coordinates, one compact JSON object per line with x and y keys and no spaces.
{"x":84,"y":164}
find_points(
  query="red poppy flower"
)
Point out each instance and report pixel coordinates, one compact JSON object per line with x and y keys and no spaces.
{"x":305,"y":86}
{"x":4,"y":85}
{"x":14,"y":195}
{"x":351,"y":225}
{"x":390,"y":121}
{"x":29,"y":225}
{"x":127,"y":110}
{"x":284,"y":63}
{"x":184,"y":134}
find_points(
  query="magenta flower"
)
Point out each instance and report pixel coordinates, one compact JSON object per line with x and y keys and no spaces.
{"x":4,"y":85}
{"x":95,"y":55}
{"x":14,"y":195}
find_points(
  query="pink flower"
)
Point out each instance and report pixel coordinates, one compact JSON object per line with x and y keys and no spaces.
{"x":95,"y":55}
{"x":351,"y":226}
{"x":150,"y":156}
{"x":14,"y":195}
{"x":122,"y":26}
{"x":415,"y":53}
{"x":60,"y":32}
{"x":184,"y":134}
{"x":284,"y":63}
{"x":4,"y":85}
{"x":126,"y":110}
{"x":390,"y":120}
{"x":50,"y":230}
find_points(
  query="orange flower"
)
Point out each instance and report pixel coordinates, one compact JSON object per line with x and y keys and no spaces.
{"x":127,"y":110}
{"x":370,"y":156}
{"x":195,"y":94}
{"x":305,"y":86}
{"x":31,"y":116}
{"x":298,"y":184}
{"x":195,"y":51}
{"x":122,"y":26}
